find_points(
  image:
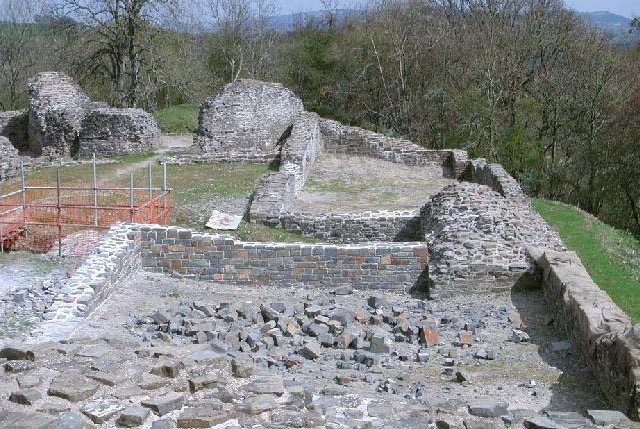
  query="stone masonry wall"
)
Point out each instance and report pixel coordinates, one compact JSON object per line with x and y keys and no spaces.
{"x":115,"y":259}
{"x":9,"y":159}
{"x":340,"y":138}
{"x":600,"y":330}
{"x":275,"y":193}
{"x":381,"y":225}
{"x":56,"y":108}
{"x":397,"y":266}
{"x":15,"y":126}
{"x":302,"y":147}
{"x":273,"y":198}
{"x":476,"y":237}
{"x":495,"y":177}
{"x":111,"y":132}
{"x":246,"y":118}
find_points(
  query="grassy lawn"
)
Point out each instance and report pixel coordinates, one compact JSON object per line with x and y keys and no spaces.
{"x":179,"y":119}
{"x":611,"y":256}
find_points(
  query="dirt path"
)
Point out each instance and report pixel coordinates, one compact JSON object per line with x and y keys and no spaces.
{"x":167,"y":144}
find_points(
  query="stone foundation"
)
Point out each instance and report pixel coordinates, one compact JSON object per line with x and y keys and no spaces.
{"x":356,"y":227}
{"x":390,"y":266}
{"x":15,"y":127}
{"x":340,"y":138}
{"x":599,"y":329}
{"x":477,"y":237}
{"x":115,"y":259}
{"x":111,"y":132}
{"x":301,"y":148}
{"x":247,"y":117}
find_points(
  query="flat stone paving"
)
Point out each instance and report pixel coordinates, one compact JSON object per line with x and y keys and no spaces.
{"x":202,"y":354}
{"x":353,"y":184}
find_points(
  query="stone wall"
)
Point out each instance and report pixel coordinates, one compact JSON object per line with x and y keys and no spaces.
{"x":111,"y":132}
{"x":599,"y":329}
{"x":15,"y":126}
{"x":9,"y":159}
{"x":301,"y":148}
{"x":477,"y":237}
{"x":247,"y":117}
{"x":392,"y":266}
{"x":114,"y":260}
{"x":495,"y":177}
{"x":56,"y":109}
{"x":273,"y":198}
{"x":341,"y":138}
{"x":357,"y":227}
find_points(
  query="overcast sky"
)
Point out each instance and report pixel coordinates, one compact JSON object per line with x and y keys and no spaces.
{"x":628,"y":8}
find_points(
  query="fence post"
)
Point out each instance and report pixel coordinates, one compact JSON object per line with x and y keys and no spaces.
{"x":24,"y":199}
{"x":95,"y":191}
{"x":59,"y":211}
{"x":131,"y":197}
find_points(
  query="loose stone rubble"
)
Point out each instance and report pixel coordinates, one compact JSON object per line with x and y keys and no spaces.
{"x":190,"y":354}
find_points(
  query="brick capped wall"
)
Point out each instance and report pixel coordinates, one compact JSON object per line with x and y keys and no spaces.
{"x":397,"y":266}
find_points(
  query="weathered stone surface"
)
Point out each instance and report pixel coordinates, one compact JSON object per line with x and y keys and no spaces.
{"x":164,"y":404}
{"x":540,"y":422}
{"x":202,"y":382}
{"x":73,"y":387}
{"x":599,"y":329}
{"x":241,"y":368}
{"x":606,"y":417}
{"x":203,"y":417}
{"x":254,"y":405}
{"x":26,"y":420}
{"x":25,"y":396}
{"x":101,"y":410}
{"x":111,"y":132}
{"x":488,"y":408}
{"x":27,"y":381}
{"x":19,"y":366}
{"x":56,"y":109}
{"x":73,"y":420}
{"x":246,"y":120}
{"x":17,"y":352}
{"x":133,"y":416}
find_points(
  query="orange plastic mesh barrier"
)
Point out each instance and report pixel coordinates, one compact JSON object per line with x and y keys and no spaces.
{"x":37,"y":217}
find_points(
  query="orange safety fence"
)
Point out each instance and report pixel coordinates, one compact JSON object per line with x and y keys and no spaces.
{"x":39,"y":216}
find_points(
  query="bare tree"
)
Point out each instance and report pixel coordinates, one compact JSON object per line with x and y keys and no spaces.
{"x":118,"y":34}
{"x":18,"y":34}
{"x":245,"y":40}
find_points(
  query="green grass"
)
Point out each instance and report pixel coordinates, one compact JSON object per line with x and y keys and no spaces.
{"x":257,"y":232}
{"x":611,"y":256}
{"x":179,"y":119}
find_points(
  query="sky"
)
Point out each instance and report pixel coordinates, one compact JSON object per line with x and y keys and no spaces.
{"x":628,"y":8}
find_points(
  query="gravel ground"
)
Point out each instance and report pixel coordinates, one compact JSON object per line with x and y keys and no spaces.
{"x":271,"y":357}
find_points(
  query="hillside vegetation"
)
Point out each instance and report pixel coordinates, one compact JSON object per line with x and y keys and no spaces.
{"x":611,"y":256}
{"x":526,"y":83}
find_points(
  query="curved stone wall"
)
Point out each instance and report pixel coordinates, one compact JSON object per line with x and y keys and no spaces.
{"x":56,"y":108}
{"x":246,"y":118}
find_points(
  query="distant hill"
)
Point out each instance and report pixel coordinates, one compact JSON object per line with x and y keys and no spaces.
{"x":287,"y":23}
{"x":616,"y":26}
